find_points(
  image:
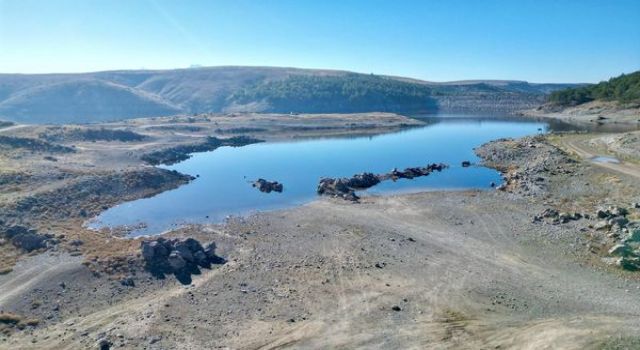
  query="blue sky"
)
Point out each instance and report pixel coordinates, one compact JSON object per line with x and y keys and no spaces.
{"x":539,"y":41}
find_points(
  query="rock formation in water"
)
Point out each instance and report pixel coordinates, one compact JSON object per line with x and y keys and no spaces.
{"x":345,"y":187}
{"x":268,"y":186}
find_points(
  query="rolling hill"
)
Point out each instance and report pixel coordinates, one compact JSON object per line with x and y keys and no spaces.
{"x":623,"y":89}
{"x":113,"y":95}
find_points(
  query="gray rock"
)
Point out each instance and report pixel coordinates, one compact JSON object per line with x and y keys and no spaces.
{"x":127,"y":282}
{"x":29,"y":241}
{"x":268,"y":186}
{"x":602,"y":225}
{"x":103,"y":344}
{"x":619,"y":220}
{"x":176,"y":261}
{"x":183,"y":248}
{"x":181,"y":257}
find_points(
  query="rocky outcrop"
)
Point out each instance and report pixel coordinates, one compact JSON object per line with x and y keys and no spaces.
{"x":181,"y":257}
{"x":28,"y":239}
{"x":268,"y":186}
{"x":345,"y":188}
{"x":526,"y":164}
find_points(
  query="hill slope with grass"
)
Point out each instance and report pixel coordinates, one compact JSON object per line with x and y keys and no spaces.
{"x":114,"y":95}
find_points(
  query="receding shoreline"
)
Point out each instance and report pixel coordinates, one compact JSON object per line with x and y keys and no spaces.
{"x":460,"y":269}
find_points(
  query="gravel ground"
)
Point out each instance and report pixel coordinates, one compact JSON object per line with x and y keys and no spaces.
{"x":437,"y":270}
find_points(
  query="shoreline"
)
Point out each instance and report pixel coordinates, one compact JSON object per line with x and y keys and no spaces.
{"x":466,"y":269}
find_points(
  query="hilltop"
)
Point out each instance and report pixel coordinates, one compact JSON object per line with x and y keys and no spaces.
{"x":616,"y":101}
{"x":116,"y":95}
{"x":622,"y":89}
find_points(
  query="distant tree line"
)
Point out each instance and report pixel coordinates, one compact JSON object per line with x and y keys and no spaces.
{"x":346,"y":93}
{"x":624,"y":89}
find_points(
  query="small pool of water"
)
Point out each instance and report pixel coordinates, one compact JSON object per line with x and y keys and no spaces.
{"x":605,"y":159}
{"x":224,"y":188}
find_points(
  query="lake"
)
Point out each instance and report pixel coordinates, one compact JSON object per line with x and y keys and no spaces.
{"x":223,"y":187}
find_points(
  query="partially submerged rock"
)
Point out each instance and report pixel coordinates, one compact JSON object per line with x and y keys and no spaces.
{"x":181,"y":257}
{"x":268,"y":186}
{"x":345,"y":187}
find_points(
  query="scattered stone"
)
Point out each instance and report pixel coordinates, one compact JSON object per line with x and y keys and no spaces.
{"x":127,"y":282}
{"x":268,"y":186}
{"x":154,"y":339}
{"x":602,"y":225}
{"x":76,"y":242}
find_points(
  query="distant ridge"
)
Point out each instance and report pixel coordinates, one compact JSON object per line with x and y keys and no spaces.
{"x":123,"y":94}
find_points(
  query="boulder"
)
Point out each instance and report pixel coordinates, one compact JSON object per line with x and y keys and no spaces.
{"x":618,"y":220}
{"x":602,"y":225}
{"x":30,"y":241}
{"x":176,"y":261}
{"x":181,"y":257}
{"x":184,"y":250}
{"x":602,"y":214}
{"x":364,"y":180}
{"x":618,"y":211}
{"x":466,"y":164}
{"x":268,"y":186}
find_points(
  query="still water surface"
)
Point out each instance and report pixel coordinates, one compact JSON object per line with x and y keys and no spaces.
{"x":223,"y":187}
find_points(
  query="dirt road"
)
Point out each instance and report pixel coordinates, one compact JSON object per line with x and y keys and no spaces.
{"x":581,"y":146}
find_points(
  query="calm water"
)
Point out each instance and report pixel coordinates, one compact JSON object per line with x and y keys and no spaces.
{"x":224,"y":188}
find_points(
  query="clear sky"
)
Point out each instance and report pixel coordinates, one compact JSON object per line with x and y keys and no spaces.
{"x":539,"y":41}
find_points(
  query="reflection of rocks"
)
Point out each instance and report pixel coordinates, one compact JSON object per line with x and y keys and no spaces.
{"x":28,"y":239}
{"x":345,"y":187}
{"x":182,"y":257}
{"x":179,"y":153}
{"x":268,"y":186}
